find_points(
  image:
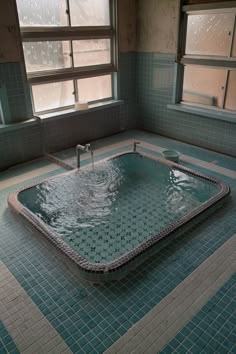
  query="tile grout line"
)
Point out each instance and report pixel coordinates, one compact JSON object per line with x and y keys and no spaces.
{"x":164,"y":318}
{"x":191,"y":311}
{"x":183,"y":313}
{"x":168,"y":317}
{"x":28,"y":327}
{"x":186,"y":290}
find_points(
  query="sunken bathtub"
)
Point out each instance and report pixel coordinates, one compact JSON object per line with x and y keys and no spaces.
{"x":110,"y":217}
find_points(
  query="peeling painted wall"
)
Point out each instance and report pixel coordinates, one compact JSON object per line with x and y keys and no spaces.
{"x":157,"y":23}
{"x":127,"y":25}
{"x":10,"y":49}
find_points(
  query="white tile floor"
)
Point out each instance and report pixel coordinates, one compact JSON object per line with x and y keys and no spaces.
{"x":29,"y":328}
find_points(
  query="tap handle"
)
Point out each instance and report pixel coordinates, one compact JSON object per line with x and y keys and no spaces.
{"x":88,"y":147}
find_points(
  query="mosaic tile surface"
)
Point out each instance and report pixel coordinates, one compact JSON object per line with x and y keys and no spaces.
{"x":12,"y":75}
{"x":12,"y":149}
{"x":90,"y":317}
{"x":7,"y":344}
{"x":212,"y":330}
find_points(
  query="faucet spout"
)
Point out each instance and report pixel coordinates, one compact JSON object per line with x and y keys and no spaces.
{"x":135,"y":143}
{"x":88,"y":147}
{"x":83,"y":147}
{"x":79,"y":148}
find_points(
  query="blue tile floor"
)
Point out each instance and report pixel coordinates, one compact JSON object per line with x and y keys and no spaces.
{"x":90,"y":318}
{"x":7,"y":344}
{"x":213,"y":328}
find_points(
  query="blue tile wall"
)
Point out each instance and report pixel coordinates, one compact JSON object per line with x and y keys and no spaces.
{"x":12,"y":76}
{"x":155,"y":81}
{"x":126,"y":76}
{"x":19,"y":146}
{"x":69,"y":131}
{"x":5,"y":114}
{"x":127,"y":90}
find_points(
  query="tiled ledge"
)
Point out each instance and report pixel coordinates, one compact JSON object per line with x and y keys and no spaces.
{"x":59,"y":115}
{"x":202,"y":111}
{"x":16,"y":126}
{"x":76,"y":113}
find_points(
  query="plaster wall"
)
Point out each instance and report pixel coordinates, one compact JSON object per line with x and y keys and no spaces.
{"x":10,"y":49}
{"x":127,"y":25}
{"x":157,"y":23}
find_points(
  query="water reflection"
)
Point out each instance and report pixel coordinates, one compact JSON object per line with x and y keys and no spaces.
{"x":116,"y":206}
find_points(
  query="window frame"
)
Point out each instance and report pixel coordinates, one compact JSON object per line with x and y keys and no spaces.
{"x":70,"y":33}
{"x":227,"y":63}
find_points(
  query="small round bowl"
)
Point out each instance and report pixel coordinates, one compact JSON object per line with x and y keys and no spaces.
{"x":171,"y":155}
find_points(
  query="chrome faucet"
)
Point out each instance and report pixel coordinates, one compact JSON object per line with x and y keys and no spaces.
{"x":135,"y":143}
{"x":79,"y":148}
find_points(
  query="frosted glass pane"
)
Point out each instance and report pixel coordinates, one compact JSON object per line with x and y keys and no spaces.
{"x":42,"y":12}
{"x":46,"y":55}
{"x":89,"y":12}
{"x":53,"y":95}
{"x":230,"y":102}
{"x":204,"y":85}
{"x":94,"y":88}
{"x":209,"y":34}
{"x":91,"y":52}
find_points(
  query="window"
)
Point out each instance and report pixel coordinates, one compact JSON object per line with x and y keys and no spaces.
{"x":208,"y":56}
{"x":69,"y":51}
